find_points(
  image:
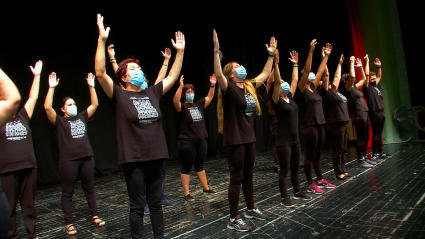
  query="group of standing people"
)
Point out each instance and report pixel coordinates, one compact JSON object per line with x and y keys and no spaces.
{"x":141,"y":144}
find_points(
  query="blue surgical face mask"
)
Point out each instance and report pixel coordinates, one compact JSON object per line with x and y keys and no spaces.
{"x":372,"y":83}
{"x":136,"y":77}
{"x":144,"y":85}
{"x":72,"y":110}
{"x":190,"y":97}
{"x":241,"y":72}
{"x":285,"y":88}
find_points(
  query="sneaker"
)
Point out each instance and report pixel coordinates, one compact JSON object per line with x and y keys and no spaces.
{"x":314,"y":189}
{"x":325,"y":184}
{"x":209,"y":191}
{"x":287,"y":202}
{"x":238,"y":224}
{"x":364,"y":164}
{"x":384,"y":155}
{"x":255,"y":214}
{"x":166,"y":202}
{"x":146,"y":210}
{"x":376,"y":156}
{"x":370,"y":162}
{"x":301,"y":196}
{"x":189,"y":198}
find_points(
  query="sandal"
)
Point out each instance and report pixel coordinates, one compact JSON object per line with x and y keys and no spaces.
{"x":97,"y":221}
{"x":70,"y":230}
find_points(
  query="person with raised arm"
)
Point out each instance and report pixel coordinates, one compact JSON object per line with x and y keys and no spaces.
{"x":140,"y":137}
{"x":288,"y":147}
{"x":9,"y":103}
{"x":192,"y":145}
{"x":337,"y":118}
{"x":358,"y":110}
{"x":313,"y":120}
{"x":18,"y":168}
{"x":376,"y":105}
{"x":237,"y":105}
{"x":76,"y":156}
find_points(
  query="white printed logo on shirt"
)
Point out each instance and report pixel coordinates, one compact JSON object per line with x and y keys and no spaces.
{"x":344,"y":99}
{"x":146,"y":112}
{"x":250,"y":104}
{"x":16,"y":131}
{"x":195,"y":113}
{"x":377,"y":89}
{"x":78,"y":128}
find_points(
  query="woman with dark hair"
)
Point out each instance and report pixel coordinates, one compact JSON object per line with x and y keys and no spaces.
{"x":18,"y":168}
{"x":140,"y":137}
{"x":192,"y":145}
{"x":237,"y":105}
{"x":358,"y":109}
{"x":288,"y":147}
{"x":313,"y":121}
{"x":375,"y":103}
{"x":337,"y":118}
{"x":75,"y":152}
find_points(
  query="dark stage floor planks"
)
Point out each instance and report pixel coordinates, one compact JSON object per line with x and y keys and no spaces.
{"x":386,"y":201}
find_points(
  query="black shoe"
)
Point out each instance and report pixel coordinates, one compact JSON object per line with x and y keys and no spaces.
{"x":166,"y":202}
{"x":189,"y":198}
{"x":209,"y":191}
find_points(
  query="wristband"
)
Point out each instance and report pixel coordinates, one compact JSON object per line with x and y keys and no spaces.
{"x":272,"y":55}
{"x":219,"y":53}
{"x":295,"y":65}
{"x":113,"y":60}
{"x":165,"y":64}
{"x":212,"y":86}
{"x":379,"y":66}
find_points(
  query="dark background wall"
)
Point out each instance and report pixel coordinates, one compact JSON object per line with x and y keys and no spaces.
{"x":65,"y":39}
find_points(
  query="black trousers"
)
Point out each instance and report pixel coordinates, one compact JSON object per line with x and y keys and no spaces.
{"x":139,"y":175}
{"x":339,"y":136}
{"x":4,"y":208}
{"x":289,"y":157}
{"x":192,"y":153}
{"x":377,"y":119}
{"x":361,"y":122}
{"x":314,"y":138}
{"x":21,"y":184}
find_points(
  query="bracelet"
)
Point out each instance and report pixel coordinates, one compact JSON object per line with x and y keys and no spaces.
{"x":113,"y":60}
{"x":295,"y":65}
{"x":212,"y":86}
{"x":165,"y":64}
{"x":272,"y":55}
{"x":219,"y":53}
{"x":379,"y":66}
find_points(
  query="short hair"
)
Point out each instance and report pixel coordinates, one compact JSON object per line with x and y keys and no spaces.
{"x":187,"y":87}
{"x":122,"y":68}
{"x":372,"y":73}
{"x":63,"y":101}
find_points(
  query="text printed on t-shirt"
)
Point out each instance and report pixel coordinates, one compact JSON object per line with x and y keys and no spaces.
{"x":146,"y":112}
{"x":250,"y":104}
{"x":195,"y":113}
{"x":16,"y":131}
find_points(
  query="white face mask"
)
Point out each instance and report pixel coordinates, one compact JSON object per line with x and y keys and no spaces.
{"x":311,"y":77}
{"x":72,"y":110}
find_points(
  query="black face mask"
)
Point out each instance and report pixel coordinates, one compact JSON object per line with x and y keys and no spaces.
{"x":372,"y":83}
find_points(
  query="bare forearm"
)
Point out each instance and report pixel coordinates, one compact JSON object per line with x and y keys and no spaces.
{"x":100,"y":59}
{"x":93,"y":97}
{"x":266,"y":71}
{"x":177,"y":66}
{"x":35,"y":88}
{"x":321,"y":70}
{"x":178,"y":95}
{"x":337,"y":77}
{"x":163,"y":71}
{"x":49,"y":99}
{"x":222,"y":81}
{"x":306,"y":72}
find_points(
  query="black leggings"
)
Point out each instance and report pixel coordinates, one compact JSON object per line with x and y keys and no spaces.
{"x":289,"y":157}
{"x":377,"y":119}
{"x":192,"y":152}
{"x":241,"y":159}
{"x":314,"y":138}
{"x":4,"y":207}
{"x":339,"y":135}
{"x":21,"y":184}
{"x":69,"y":172}
{"x":361,"y":122}
{"x":139,"y":175}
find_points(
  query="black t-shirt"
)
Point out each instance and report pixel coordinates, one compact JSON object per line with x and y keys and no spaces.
{"x":336,"y":109}
{"x":355,"y":98}
{"x":374,"y":98}
{"x":287,"y":118}
{"x":311,"y":105}
{"x":16,"y":149}
{"x":140,"y":136}
{"x":73,"y":141}
{"x":239,"y":111}
{"x":193,"y":124}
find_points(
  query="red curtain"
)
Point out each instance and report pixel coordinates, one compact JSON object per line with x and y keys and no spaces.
{"x":357,"y":44}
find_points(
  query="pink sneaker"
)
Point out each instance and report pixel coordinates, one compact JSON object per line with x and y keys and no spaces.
{"x":314,"y":189}
{"x":325,"y":184}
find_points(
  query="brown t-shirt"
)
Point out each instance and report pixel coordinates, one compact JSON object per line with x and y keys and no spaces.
{"x":73,"y":141}
{"x":140,"y":136}
{"x":336,"y":108}
{"x":239,"y":111}
{"x":193,"y":124}
{"x":16,"y":149}
{"x":311,"y":105}
{"x":373,"y":97}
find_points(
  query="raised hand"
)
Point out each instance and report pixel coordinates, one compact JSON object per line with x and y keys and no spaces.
{"x":323,"y":52}
{"x":294,"y":57}
{"x":213,"y":79}
{"x":352,"y":59}
{"x":366,"y":58}
{"x":328,"y":49}
{"x":103,"y":34}
{"x":180,"y":42}
{"x":37,"y":68}
{"x":358,"y":63}
{"x":276,"y":57}
{"x":111,"y":51}
{"x":166,"y":53}
{"x":377,"y":62}
{"x":181,"y":81}
{"x":215,"y":41}
{"x":90,"y":79}
{"x":341,"y":59}
{"x":52,"y":80}
{"x":313,"y":45}
{"x":273,"y":44}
